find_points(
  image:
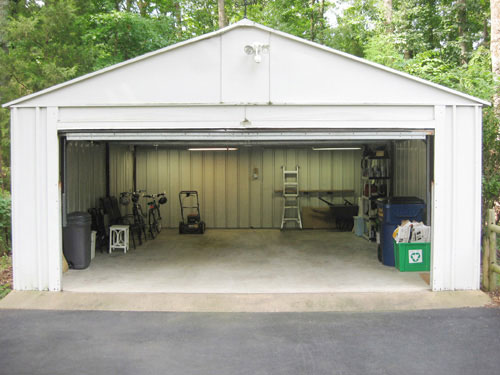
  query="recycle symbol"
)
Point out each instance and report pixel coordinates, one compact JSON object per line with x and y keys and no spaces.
{"x":416,"y":256}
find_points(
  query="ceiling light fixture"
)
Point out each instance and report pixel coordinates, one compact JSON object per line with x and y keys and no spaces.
{"x":213,"y":149}
{"x":335,"y":148}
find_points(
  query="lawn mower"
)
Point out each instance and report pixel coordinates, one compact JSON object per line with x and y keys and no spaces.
{"x":191,"y":221}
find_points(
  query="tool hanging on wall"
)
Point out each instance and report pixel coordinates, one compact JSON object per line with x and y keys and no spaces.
{"x":291,"y":206}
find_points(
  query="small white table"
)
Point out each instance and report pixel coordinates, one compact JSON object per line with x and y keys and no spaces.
{"x":118,"y":238}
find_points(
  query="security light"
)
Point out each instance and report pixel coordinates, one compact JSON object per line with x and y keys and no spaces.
{"x":256,"y":49}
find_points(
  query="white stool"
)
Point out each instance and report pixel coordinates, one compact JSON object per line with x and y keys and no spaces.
{"x":118,"y":237}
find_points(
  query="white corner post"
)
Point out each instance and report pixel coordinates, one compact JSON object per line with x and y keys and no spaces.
{"x":478,"y":189}
{"x":54,"y":224}
{"x":456,"y":225}
{"x":442,"y":207}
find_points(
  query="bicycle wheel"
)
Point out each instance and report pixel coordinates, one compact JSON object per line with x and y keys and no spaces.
{"x":151,"y":224}
{"x":157,"y":217}
{"x":139,"y":216}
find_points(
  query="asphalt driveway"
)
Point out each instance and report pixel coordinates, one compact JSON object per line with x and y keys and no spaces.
{"x":459,"y":341}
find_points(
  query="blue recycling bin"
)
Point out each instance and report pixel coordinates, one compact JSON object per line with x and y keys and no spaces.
{"x":391,"y":211}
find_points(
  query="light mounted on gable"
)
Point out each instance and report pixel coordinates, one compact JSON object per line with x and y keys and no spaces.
{"x":256,"y":49}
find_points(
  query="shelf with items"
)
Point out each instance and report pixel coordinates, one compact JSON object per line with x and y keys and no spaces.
{"x":376,"y":183}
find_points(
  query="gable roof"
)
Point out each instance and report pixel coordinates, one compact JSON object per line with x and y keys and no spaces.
{"x":244,"y":23}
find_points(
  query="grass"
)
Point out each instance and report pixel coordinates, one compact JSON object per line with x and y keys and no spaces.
{"x":5,"y":275}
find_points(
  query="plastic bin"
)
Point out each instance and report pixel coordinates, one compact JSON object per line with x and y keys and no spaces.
{"x":411,"y":257}
{"x":76,"y":240}
{"x":391,"y":212}
{"x":359,"y":225}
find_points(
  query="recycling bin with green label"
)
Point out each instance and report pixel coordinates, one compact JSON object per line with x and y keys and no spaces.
{"x":412,"y":257}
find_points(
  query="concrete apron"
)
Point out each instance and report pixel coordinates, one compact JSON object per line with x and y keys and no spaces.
{"x":204,"y":302}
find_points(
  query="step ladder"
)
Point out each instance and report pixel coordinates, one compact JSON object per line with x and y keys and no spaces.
{"x":291,"y":206}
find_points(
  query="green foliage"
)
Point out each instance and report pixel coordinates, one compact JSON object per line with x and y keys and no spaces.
{"x":41,"y":50}
{"x":382,"y":49}
{"x":440,"y":25}
{"x":491,"y":159}
{"x":199,"y":17}
{"x":5,"y":264}
{"x":117,"y":36}
{"x":356,"y":25}
{"x":5,"y":222}
{"x":4,"y":290}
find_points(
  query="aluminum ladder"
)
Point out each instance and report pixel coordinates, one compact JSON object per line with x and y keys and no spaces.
{"x":291,"y":206}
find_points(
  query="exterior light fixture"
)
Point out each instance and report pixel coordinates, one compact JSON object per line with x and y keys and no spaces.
{"x":246,"y":122}
{"x":213,"y":149}
{"x":335,"y":148}
{"x":256,"y":49}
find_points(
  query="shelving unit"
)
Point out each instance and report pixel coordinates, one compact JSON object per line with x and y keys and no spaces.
{"x":376,"y":183}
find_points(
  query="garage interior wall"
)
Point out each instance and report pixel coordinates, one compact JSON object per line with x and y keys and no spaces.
{"x":86,"y":175}
{"x":230,"y":195}
{"x":410,"y":169}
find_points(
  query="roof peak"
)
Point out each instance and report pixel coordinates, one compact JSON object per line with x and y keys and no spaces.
{"x":245,"y":22}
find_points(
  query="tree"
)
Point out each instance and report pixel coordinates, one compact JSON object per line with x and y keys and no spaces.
{"x":495,"y":47}
{"x":356,"y":25}
{"x":388,"y":11}
{"x":222,"y":14}
{"x":118,"y":36}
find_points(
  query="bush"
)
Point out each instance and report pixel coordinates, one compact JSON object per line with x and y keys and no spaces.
{"x":5,"y":223}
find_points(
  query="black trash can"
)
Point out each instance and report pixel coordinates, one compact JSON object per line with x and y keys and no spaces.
{"x":76,"y":240}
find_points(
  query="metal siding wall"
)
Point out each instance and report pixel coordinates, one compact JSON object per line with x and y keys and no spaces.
{"x":456,"y":246}
{"x":229,"y":196}
{"x":466,"y":241}
{"x":24,"y":199}
{"x":120,"y":173}
{"x":86,"y":177}
{"x":35,"y":199}
{"x":442,"y":227}
{"x":410,"y":165}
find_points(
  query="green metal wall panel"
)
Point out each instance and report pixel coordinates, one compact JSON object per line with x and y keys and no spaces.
{"x":231,"y":196}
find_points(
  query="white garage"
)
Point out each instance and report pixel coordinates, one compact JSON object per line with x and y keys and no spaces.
{"x":269,"y":100}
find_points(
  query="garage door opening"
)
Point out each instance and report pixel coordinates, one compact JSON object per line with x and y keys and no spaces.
{"x":241,"y":202}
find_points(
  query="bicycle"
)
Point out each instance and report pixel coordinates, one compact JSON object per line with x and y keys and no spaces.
{"x":154,"y":214}
{"x":138,"y":216}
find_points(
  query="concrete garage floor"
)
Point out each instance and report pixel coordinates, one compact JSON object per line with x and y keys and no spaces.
{"x":245,"y":261}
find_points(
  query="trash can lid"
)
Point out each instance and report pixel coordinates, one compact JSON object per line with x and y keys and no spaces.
{"x":79,"y":218}
{"x":401,"y":200}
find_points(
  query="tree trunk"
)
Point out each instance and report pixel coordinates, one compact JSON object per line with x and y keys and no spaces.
{"x":388,"y":11}
{"x":495,"y":48}
{"x":312,"y":19}
{"x":4,"y":15}
{"x":222,"y":14}
{"x":129,"y":4}
{"x":322,"y":22}
{"x":178,"y":16}
{"x":143,"y":6}
{"x":462,"y":24}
